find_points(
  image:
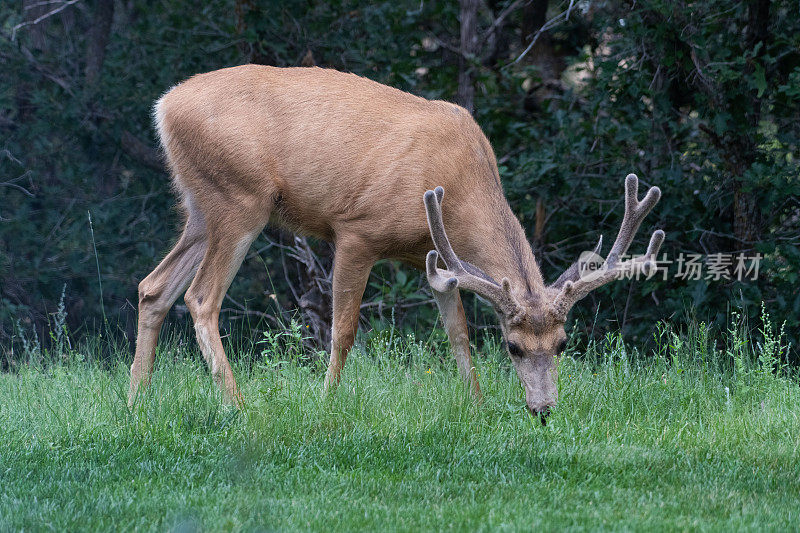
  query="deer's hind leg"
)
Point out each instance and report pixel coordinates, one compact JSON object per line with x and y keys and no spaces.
{"x":229,"y":238}
{"x":159,"y":290}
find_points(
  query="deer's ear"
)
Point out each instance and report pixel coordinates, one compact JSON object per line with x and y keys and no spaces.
{"x":573,"y":272}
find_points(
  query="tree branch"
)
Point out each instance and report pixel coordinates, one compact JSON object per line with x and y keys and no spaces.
{"x":499,"y":20}
{"x":553,"y":22}
{"x":37,"y":20}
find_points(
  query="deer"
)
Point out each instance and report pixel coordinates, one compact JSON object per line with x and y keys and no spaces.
{"x":339,"y":157}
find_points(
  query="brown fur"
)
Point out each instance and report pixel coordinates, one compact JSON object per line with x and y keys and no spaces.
{"x":339,"y":157}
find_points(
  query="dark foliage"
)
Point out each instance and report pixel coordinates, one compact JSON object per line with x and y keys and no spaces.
{"x":700,"y":98}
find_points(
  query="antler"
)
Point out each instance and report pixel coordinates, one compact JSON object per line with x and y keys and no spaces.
{"x":574,"y":286}
{"x":460,"y":274}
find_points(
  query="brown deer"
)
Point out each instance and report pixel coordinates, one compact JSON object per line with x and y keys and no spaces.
{"x":343,"y":158}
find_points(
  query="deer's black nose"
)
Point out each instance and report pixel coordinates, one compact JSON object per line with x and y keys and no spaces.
{"x":542,"y":412}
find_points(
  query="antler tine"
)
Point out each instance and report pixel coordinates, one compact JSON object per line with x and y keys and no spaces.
{"x":635,"y":213}
{"x":650,"y":257}
{"x":436,"y":279}
{"x":457,"y":275}
{"x":573,"y":272}
{"x":577,"y":287}
{"x":433,"y":208}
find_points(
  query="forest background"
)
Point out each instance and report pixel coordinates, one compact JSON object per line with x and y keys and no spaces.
{"x":699,"y":98}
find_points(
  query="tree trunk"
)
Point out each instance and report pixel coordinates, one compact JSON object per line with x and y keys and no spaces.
{"x":499,"y":41}
{"x":533,"y":18}
{"x":746,"y":214}
{"x":543,"y":54}
{"x":98,"y":41}
{"x":242,"y":8}
{"x":469,"y":50}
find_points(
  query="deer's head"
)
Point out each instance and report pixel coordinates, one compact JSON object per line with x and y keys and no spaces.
{"x":532,"y":320}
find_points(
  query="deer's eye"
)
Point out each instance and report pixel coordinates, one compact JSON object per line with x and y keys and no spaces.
{"x":561,"y":346}
{"x":514,"y":350}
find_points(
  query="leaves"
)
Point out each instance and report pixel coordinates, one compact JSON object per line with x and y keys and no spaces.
{"x":678,"y":94}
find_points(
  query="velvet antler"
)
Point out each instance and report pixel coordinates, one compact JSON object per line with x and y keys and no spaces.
{"x":460,"y":274}
{"x":574,"y":286}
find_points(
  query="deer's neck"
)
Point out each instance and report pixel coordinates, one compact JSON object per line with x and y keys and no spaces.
{"x":504,"y":251}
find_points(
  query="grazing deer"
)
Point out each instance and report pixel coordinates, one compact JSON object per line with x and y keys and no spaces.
{"x":343,"y":158}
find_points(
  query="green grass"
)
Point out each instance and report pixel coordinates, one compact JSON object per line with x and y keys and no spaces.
{"x":635,"y":443}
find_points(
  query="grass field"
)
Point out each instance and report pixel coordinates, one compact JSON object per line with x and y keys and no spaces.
{"x":689,"y":438}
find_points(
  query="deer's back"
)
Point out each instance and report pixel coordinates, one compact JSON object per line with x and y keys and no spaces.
{"x":328,"y":152}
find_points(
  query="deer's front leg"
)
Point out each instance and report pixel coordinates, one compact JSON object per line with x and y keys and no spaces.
{"x":351,"y":268}
{"x":455,"y":323}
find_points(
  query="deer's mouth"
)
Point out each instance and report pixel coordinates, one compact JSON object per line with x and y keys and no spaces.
{"x":543,"y":414}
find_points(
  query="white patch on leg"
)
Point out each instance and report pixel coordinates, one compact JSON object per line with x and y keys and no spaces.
{"x":204,"y":340}
{"x":238,"y":256}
